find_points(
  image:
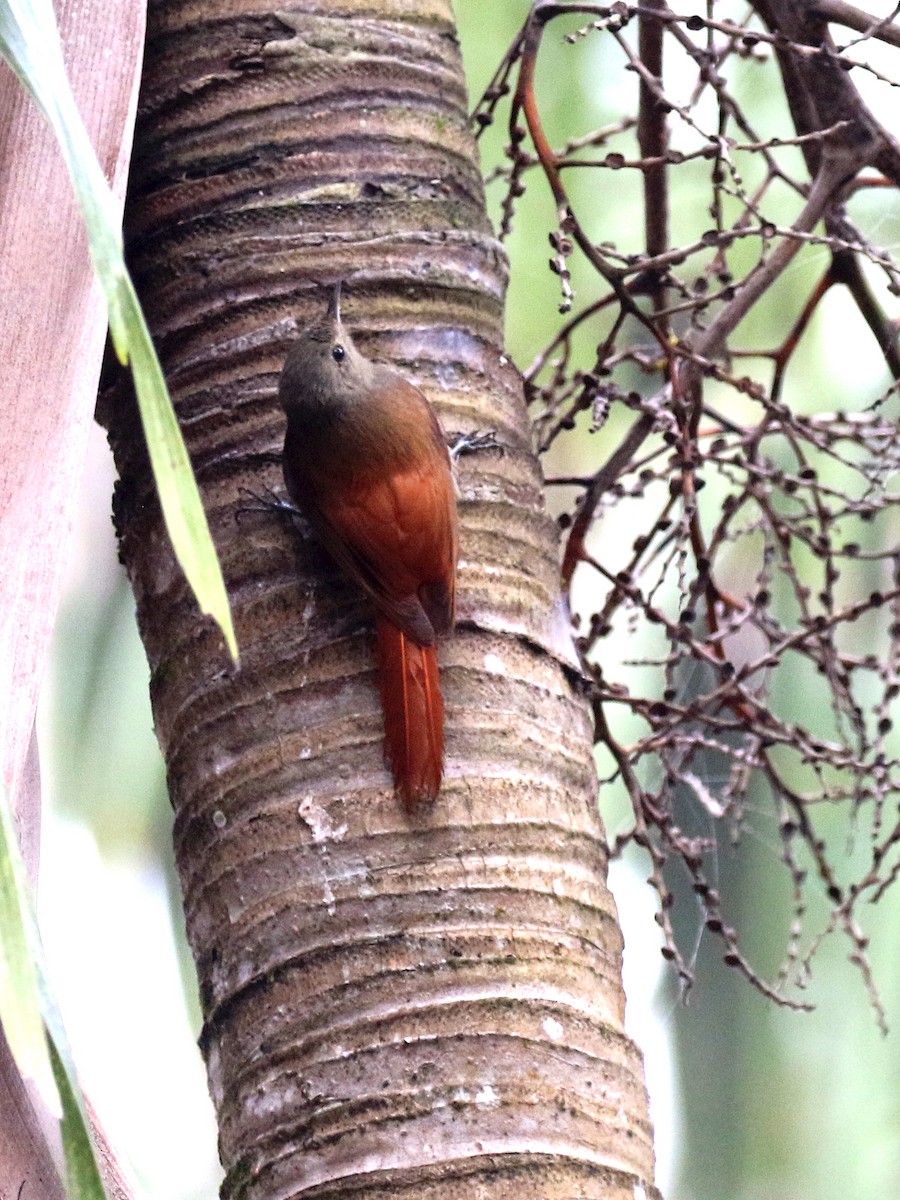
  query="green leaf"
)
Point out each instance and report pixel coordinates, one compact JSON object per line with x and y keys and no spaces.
{"x":83,"y":1177}
{"x":179,"y":497}
{"x":29,"y":41}
{"x":31,"y":1018}
{"x":20,"y":1010}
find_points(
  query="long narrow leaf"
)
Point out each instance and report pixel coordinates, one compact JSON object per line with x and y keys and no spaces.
{"x":29,"y":41}
{"x":83,"y":1177}
{"x":20,"y":1009}
{"x":31,"y":1019}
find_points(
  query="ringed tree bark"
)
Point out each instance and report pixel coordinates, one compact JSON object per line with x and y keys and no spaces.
{"x":393,"y":1004}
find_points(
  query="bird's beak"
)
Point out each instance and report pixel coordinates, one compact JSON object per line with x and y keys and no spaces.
{"x":334,"y":304}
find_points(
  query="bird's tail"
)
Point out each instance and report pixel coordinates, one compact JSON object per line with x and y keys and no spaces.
{"x":413,"y":713}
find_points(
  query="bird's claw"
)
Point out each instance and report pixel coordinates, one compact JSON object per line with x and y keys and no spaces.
{"x":471,"y":443}
{"x":264,"y":502}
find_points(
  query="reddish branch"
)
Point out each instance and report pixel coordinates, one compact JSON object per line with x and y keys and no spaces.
{"x":729,"y":478}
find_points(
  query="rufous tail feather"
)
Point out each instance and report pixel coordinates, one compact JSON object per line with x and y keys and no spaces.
{"x":413,"y":713}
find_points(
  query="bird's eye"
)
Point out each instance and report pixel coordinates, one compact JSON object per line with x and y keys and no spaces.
{"x":338,"y":353}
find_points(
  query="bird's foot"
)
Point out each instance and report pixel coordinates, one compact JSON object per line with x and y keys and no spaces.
{"x":264,"y":502}
{"x":471,"y":443}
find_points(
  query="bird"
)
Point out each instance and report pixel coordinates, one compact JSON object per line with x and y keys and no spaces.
{"x":366,"y":462}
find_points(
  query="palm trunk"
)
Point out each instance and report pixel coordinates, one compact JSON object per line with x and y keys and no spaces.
{"x":420,"y":1006}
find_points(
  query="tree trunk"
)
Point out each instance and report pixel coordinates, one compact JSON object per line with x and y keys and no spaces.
{"x":394,"y":1005}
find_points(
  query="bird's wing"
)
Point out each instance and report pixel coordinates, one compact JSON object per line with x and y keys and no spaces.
{"x":396,"y":535}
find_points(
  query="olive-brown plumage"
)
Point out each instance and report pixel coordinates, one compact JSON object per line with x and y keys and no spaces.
{"x":366,"y":461}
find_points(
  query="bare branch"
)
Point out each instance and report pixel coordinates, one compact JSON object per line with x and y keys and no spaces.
{"x":762,"y":570}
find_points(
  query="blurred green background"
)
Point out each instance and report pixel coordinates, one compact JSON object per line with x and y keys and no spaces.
{"x":748,"y":1100}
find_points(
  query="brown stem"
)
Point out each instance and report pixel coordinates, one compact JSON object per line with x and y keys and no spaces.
{"x":841,"y":13}
{"x":653,"y":140}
